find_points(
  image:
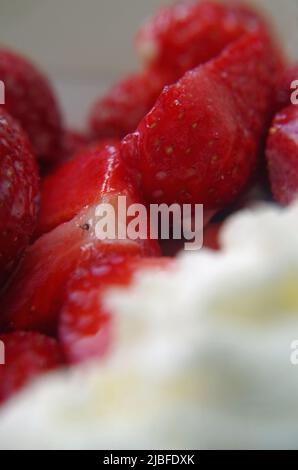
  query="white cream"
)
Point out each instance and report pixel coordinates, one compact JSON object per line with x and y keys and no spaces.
{"x":201,"y":358}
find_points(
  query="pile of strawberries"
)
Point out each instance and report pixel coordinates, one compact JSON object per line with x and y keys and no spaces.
{"x":191,"y":127}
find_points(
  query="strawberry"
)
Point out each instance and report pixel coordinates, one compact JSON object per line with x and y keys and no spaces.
{"x":211,"y":236}
{"x":285,"y":89}
{"x":125,"y":104}
{"x":19,"y":192}
{"x":199,"y":143}
{"x":48,"y":263}
{"x":72,"y":143}
{"x":86,"y":326}
{"x":27,"y":355}
{"x":182,"y":36}
{"x":282,"y":155}
{"x":74,"y":185}
{"x":30,"y":99}
{"x":177,"y":39}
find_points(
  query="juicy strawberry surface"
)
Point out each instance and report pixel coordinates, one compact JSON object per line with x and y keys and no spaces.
{"x":86,"y":326}
{"x":30,"y":99}
{"x":27,"y":355}
{"x":178,"y":38}
{"x":125,"y":104}
{"x":19,"y":192}
{"x":76,"y":184}
{"x":282,"y":155}
{"x":199,"y":144}
{"x":48,"y":263}
{"x":182,"y":36}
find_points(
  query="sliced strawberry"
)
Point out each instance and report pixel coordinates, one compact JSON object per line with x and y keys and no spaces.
{"x":200,"y":142}
{"x":75,"y":184}
{"x":19,"y":192}
{"x":27,"y":355}
{"x":182,"y":36}
{"x":177,"y":39}
{"x":48,"y":263}
{"x":86,"y":326}
{"x":282,"y":155}
{"x":125,"y":104}
{"x":30,"y":99}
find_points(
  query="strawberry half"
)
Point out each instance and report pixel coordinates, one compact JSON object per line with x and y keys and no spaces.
{"x":282,"y":155}
{"x":27,"y":355}
{"x":178,"y":38}
{"x":199,"y":143}
{"x":86,"y":326}
{"x":182,"y":36}
{"x":75,"y":184}
{"x":19,"y":192}
{"x":30,"y":99}
{"x":48,"y":263}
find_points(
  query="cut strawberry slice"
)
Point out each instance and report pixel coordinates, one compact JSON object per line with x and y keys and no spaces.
{"x":77,"y":183}
{"x":282,"y":155}
{"x":27,"y":355}
{"x":177,"y":39}
{"x":200,"y":142}
{"x":86,"y":326}
{"x":34,"y":296}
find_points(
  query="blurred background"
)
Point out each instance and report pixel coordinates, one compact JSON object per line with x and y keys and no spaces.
{"x":84,"y":45}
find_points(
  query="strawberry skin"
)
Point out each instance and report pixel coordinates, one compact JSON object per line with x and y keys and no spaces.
{"x":282,"y":155}
{"x":19,"y":192}
{"x":199,"y":143}
{"x":30,"y":99}
{"x":75,"y":184}
{"x":86,"y":327}
{"x":27,"y":355}
{"x":177,"y":39}
{"x":48,"y":263}
{"x":182,"y":36}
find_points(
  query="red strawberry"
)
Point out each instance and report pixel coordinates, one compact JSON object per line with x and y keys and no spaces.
{"x":286,"y":89}
{"x":30,"y":99}
{"x":177,"y":39}
{"x":18,"y":192}
{"x":86,"y":327}
{"x":72,"y":143}
{"x":199,"y":144}
{"x":211,"y":236}
{"x":27,"y":355}
{"x":282,"y":155}
{"x":125,"y":104}
{"x":48,"y":263}
{"x":74,"y":185}
{"x":181,"y":36}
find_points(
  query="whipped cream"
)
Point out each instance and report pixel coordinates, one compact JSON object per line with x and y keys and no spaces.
{"x":201,"y":357}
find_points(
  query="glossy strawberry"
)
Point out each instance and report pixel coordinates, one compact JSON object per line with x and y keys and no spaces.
{"x":41,"y":278}
{"x":125,"y":104}
{"x":75,"y":184}
{"x":86,"y":326}
{"x":177,"y":39}
{"x":199,"y":143}
{"x":19,"y":192}
{"x":282,"y":155}
{"x":27,"y":355}
{"x":182,"y":36}
{"x":30,"y":99}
